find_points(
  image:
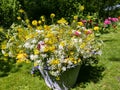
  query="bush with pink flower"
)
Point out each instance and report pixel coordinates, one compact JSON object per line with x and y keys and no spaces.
{"x":110,"y":24}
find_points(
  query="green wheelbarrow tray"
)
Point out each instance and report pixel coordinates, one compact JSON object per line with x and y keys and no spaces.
{"x":67,"y":79}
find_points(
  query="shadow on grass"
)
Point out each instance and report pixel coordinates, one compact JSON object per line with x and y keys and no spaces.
{"x":115,"y":59}
{"x":89,"y":74}
{"x":109,"y":40}
{"x":5,"y":67}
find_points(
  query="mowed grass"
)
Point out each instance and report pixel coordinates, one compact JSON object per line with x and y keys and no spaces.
{"x":22,"y":80}
{"x":104,"y":76}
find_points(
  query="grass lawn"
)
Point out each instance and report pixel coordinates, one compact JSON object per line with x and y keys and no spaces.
{"x":104,"y":76}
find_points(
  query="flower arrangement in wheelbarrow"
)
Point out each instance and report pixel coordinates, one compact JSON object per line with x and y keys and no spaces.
{"x":58,"y":48}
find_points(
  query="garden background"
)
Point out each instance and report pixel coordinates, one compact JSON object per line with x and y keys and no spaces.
{"x":101,"y":74}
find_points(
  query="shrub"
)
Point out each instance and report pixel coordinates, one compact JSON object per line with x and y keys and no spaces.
{"x":8,"y":12}
{"x":6,"y":63}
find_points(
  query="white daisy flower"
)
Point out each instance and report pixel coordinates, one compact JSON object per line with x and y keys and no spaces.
{"x":34,"y":41}
{"x":33,"y":57}
{"x":63,"y":68}
{"x":27,"y":45}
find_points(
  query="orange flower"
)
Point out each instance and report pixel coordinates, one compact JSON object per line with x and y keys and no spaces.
{"x":119,"y":17}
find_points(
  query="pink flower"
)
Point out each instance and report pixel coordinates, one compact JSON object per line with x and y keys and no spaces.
{"x":114,"y":19}
{"x":107,"y":22}
{"x":77,"y":33}
{"x":109,"y":18}
{"x":83,"y":21}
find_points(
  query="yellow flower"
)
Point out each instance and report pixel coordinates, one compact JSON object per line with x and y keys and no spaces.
{"x":39,"y":28}
{"x":90,"y":37}
{"x":79,"y":60}
{"x":19,"y":30}
{"x":39,"y":22}
{"x":35,"y":64}
{"x":52,"y":48}
{"x":34,"y":22}
{"x":80,"y":24}
{"x":6,"y":54}
{"x":75,"y":62}
{"x":21,"y":10}
{"x":19,"y":18}
{"x":5,"y":58}
{"x":27,"y":37}
{"x":57,"y":78}
{"x":62,"y":21}
{"x":46,"y":49}
{"x":89,"y":17}
{"x":82,"y":45}
{"x":36,"y":52}
{"x":96,"y":28}
{"x":75,"y":17}
{"x":54,"y":62}
{"x":46,"y":27}
{"x":81,"y":8}
{"x":62,"y":43}
{"x":21,"y":51}
{"x":52,"y":15}
{"x":71,"y":59}
{"x":27,"y":61}
{"x":43,"y":18}
{"x":20,"y":61}
{"x":49,"y":35}
{"x":27,"y":20}
{"x":3,"y":45}
{"x":71,"y":53}
{"x":29,"y":26}
{"x":21,"y":56}
{"x":74,"y":21}
{"x":50,"y":42}
{"x":1,"y":29}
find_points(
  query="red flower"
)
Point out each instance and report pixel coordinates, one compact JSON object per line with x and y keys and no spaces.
{"x":38,"y":46}
{"x":88,"y":32}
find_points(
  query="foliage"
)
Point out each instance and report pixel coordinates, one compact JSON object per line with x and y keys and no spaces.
{"x":62,"y":8}
{"x":8,"y":12}
{"x":6,"y":63}
{"x":67,"y":8}
{"x":99,"y":6}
